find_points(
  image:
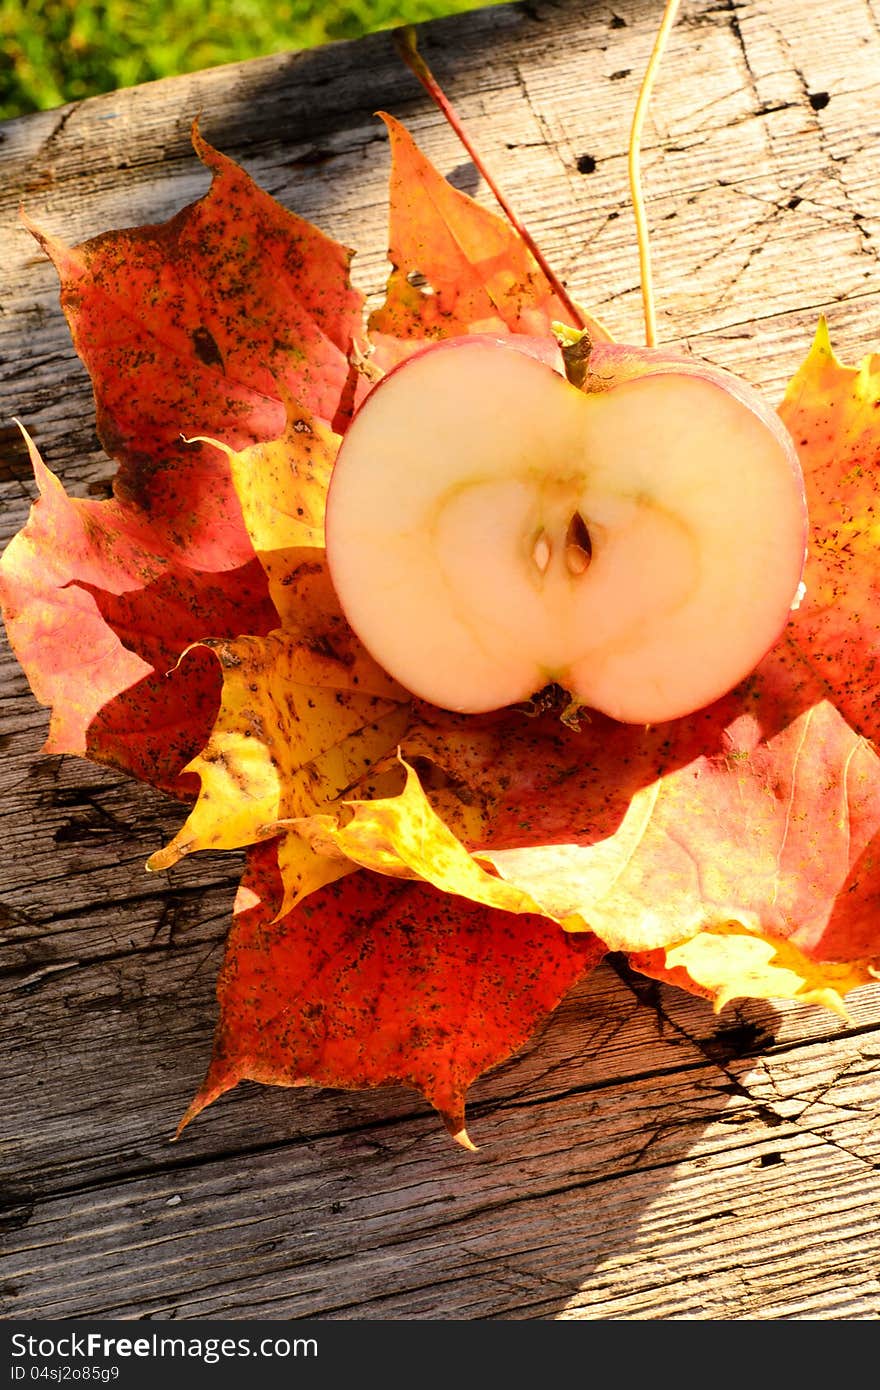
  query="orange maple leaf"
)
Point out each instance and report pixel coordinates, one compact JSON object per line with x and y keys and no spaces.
{"x":457,"y":267}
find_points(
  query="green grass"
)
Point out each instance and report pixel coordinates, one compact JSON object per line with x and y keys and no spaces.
{"x":55,"y":51}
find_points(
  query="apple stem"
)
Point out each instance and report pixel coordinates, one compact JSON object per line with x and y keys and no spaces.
{"x":407,"y":48}
{"x":670,"y":14}
{"x":576,"y":349}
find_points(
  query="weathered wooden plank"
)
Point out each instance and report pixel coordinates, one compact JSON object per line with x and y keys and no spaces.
{"x":641,"y":1158}
{"x":679,"y":1195}
{"x":146,"y":999}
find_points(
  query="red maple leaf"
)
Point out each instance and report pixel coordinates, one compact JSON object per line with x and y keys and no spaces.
{"x":370,"y":982}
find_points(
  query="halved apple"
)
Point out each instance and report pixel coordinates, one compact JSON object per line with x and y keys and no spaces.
{"x":492,"y":529}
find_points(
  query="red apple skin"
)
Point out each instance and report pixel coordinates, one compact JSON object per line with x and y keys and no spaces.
{"x":611,"y":365}
{"x":542,"y":349}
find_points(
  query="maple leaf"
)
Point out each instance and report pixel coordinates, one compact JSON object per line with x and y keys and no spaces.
{"x":297,"y":729}
{"x":98,"y":608}
{"x":228,"y":318}
{"x":370,"y":982}
{"x":734,"y":852}
{"x":751,"y":823}
{"x":404,"y":836}
{"x":282,"y":485}
{"x":457,"y":267}
{"x":208,"y":322}
{"x":831,"y":413}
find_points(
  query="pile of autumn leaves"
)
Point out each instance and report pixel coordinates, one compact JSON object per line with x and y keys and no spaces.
{"x":421,"y":888}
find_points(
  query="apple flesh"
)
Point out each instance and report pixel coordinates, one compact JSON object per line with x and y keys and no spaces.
{"x":492,"y":529}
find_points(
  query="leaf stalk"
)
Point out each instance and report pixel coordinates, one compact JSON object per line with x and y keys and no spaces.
{"x":670,"y":15}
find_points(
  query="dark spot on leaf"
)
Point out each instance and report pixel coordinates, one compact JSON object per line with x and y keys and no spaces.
{"x":819,"y":100}
{"x":322,"y":646}
{"x":206,"y":349}
{"x":586,"y":164}
{"x":618,"y":76}
{"x":794,"y":201}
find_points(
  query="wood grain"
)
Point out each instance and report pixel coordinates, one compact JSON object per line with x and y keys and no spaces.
{"x":641,"y":1158}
